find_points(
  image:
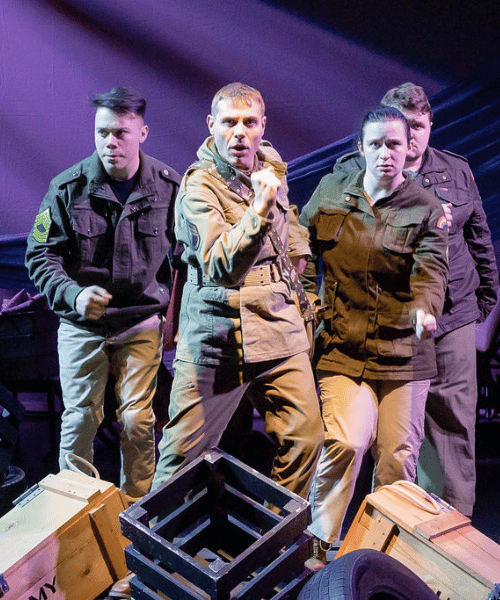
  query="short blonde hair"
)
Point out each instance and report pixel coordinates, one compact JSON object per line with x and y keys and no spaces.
{"x":237,"y":91}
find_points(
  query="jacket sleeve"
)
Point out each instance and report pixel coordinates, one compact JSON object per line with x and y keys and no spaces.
{"x":478,"y":238}
{"x":49,"y":245}
{"x":430,"y":267}
{"x":298,"y":235}
{"x":224,"y":251}
{"x":310,"y":277}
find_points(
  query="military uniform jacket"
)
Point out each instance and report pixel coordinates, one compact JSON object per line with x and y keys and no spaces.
{"x":473,"y":279}
{"x":83,"y":236}
{"x":380,"y":265}
{"x":239,"y":306}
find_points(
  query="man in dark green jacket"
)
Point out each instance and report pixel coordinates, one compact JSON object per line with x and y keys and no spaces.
{"x":98,"y":252}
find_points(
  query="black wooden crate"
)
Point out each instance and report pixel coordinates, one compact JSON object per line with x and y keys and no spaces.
{"x":217,"y":530}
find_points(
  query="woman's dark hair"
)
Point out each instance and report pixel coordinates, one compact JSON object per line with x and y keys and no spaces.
{"x":381,"y":115}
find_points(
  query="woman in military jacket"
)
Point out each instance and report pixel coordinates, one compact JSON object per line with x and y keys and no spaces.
{"x":381,"y":241}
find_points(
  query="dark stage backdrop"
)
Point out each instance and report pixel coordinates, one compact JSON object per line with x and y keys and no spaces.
{"x":55,"y":53}
{"x":466,"y":121}
{"x":318,"y":65}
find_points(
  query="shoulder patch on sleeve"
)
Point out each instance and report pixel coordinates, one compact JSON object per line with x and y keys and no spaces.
{"x":194,"y":236}
{"x":41,"y":226}
{"x":441,"y":223}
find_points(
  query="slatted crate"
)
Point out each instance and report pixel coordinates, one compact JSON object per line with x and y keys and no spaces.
{"x":217,"y":530}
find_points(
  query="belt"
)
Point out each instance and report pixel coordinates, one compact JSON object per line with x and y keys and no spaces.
{"x":259,"y":275}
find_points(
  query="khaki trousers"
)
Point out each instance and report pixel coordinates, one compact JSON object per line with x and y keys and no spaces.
{"x":384,"y":416}
{"x":204,"y":398}
{"x":85,"y":359}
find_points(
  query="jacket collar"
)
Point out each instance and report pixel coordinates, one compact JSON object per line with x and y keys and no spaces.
{"x":266,"y":156}
{"x":354,"y":185}
{"x":431,"y":162}
{"x":99,"y":179}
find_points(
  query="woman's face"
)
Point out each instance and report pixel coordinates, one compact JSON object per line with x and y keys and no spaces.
{"x":384,"y":148}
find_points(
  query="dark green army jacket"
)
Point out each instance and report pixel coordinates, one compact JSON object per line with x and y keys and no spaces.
{"x":380,"y":265}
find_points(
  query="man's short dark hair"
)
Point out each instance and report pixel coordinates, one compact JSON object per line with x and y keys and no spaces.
{"x":121,"y":100}
{"x":381,"y":115}
{"x":240,"y":92}
{"x":408,"y":96}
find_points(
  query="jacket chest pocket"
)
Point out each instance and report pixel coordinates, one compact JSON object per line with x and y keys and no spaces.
{"x":461,"y":207}
{"x":401,"y":230}
{"x":92,"y":232}
{"x":151,"y":236}
{"x":328,"y":225}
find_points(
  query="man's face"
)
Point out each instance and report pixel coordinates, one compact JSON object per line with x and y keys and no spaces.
{"x":117,"y":140}
{"x":384,"y":148}
{"x":237,"y":129}
{"x":420,"y":130}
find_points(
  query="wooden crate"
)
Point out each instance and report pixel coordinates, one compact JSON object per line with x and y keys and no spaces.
{"x":455,"y":560}
{"x":209,"y":532}
{"x":62,"y":540}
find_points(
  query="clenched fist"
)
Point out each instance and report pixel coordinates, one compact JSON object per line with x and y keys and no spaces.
{"x":92,"y":302}
{"x":425,"y":325}
{"x":265,"y":186}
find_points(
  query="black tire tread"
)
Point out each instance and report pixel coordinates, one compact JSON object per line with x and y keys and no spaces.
{"x":353,"y":574}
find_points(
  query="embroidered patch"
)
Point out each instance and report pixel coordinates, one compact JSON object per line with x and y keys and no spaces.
{"x":441,"y":223}
{"x":42,"y":226}
{"x":194,"y":236}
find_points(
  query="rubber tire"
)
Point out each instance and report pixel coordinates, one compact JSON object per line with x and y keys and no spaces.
{"x":366,"y":574}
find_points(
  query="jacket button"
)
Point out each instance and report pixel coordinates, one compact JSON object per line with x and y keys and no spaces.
{"x":132,"y":209}
{"x":443,"y":177}
{"x":155,"y":231}
{"x":348,"y":198}
{"x":165,"y":171}
{"x":426,"y":180}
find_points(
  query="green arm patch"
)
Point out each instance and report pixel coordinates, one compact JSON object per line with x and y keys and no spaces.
{"x":42,"y":226}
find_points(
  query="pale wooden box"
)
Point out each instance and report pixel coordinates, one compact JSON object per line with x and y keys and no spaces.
{"x":63,"y":541}
{"x":455,"y":560}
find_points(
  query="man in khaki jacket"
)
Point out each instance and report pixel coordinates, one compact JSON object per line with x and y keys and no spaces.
{"x":240,"y":331}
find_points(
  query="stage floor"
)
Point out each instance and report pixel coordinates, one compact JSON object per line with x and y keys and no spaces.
{"x":36,"y":455}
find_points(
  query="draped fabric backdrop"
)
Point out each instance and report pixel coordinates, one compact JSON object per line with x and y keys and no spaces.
{"x":466,"y":121}
{"x":320,"y":65}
